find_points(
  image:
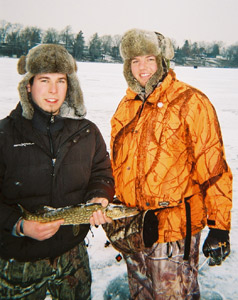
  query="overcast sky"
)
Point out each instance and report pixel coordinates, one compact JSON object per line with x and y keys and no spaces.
{"x":195,"y":20}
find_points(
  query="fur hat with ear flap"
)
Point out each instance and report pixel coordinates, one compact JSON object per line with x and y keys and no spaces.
{"x":137,"y":42}
{"x":51,"y":58}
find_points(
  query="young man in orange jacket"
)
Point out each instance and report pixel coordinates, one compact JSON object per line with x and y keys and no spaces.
{"x":167,"y":155}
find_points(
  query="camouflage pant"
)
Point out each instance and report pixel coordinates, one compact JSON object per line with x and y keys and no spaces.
{"x":160,"y":273}
{"x":66,"y":278}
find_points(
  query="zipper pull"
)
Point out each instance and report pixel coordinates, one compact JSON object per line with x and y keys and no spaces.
{"x":53,"y":161}
{"x":52,"y":119}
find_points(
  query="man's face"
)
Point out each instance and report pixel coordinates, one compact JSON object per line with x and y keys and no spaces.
{"x":49,"y":91}
{"x":143,"y":67}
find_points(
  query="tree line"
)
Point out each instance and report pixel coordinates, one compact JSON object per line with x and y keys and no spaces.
{"x":16,"y":40}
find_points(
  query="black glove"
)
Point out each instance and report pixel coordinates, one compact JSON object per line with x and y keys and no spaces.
{"x":217,"y":246}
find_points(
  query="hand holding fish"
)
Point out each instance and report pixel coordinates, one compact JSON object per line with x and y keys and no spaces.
{"x":98,"y":217}
{"x":38,"y":230}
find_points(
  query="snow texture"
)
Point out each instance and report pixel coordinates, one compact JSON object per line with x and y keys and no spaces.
{"x":103,"y":86}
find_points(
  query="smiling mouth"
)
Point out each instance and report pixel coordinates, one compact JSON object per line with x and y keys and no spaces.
{"x":52,"y":100}
{"x":144,"y":75}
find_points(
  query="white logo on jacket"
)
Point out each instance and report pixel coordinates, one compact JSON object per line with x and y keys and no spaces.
{"x":23,"y":144}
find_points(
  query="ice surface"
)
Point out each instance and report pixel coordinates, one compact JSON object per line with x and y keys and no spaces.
{"x":103,"y":86}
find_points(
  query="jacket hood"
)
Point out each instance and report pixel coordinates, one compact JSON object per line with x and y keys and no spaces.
{"x":137,"y":42}
{"x":51,"y":58}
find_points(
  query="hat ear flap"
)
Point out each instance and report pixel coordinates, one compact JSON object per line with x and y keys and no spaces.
{"x":21,"y":65}
{"x":75,"y":66}
{"x":167,"y":48}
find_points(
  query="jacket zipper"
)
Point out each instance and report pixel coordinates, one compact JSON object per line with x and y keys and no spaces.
{"x":52,"y":152}
{"x":53,"y":158}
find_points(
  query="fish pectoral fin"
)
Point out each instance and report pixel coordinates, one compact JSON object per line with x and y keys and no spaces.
{"x":48,"y":208}
{"x":44,"y":209}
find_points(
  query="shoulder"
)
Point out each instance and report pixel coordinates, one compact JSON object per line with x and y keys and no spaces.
{"x":4,"y":124}
{"x":191,"y":102}
{"x":82,"y":125}
{"x":15,"y":114}
{"x":4,"y":131}
{"x":180,"y":88}
{"x":90,"y":124}
{"x":188,"y":96}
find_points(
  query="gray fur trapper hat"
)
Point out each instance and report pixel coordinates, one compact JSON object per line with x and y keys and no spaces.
{"x":138,"y":42}
{"x":51,"y":58}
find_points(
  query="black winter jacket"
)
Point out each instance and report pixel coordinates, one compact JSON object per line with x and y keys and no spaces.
{"x":57,"y":168}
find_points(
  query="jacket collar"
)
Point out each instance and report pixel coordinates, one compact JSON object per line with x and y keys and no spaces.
{"x":153,"y":97}
{"x":43,"y":121}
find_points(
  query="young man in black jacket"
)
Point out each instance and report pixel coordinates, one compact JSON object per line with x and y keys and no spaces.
{"x":49,"y":155}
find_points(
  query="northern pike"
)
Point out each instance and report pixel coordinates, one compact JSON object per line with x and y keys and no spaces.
{"x":79,"y":214}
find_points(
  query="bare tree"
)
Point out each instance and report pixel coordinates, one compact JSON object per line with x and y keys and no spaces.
{"x":30,"y":37}
{"x":51,"y":36}
{"x":67,"y":38}
{"x":95,"y":47}
{"x":106,"y":44}
{"x":13,"y":40}
{"x":4,"y":29}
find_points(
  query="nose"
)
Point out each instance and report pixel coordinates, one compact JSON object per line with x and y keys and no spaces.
{"x":142,"y":64}
{"x":53,"y":88}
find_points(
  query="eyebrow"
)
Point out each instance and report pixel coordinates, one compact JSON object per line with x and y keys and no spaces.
{"x":47,"y":77}
{"x":150,"y":55}
{"x":42,"y":77}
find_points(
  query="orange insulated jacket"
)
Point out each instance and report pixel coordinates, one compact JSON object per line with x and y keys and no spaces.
{"x":167,"y":154}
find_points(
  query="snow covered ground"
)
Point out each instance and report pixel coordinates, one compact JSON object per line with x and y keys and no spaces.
{"x":103,"y":86}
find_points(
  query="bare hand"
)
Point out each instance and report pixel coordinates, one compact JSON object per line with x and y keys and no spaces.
{"x":40,"y":231}
{"x":99,"y":217}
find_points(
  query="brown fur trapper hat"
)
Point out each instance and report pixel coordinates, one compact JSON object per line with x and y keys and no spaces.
{"x":51,"y":58}
{"x":137,"y":42}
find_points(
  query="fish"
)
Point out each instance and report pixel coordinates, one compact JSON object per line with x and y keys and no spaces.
{"x":79,"y":214}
